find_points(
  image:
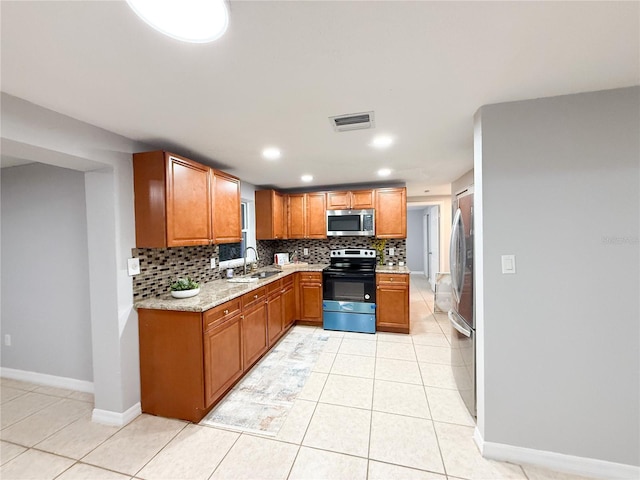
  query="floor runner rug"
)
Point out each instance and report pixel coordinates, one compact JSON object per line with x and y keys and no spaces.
{"x":261,"y":401}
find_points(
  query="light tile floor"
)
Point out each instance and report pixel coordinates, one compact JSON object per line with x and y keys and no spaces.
{"x":375,"y":407}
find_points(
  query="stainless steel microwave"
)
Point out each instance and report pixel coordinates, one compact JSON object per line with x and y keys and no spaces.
{"x":351,"y":223}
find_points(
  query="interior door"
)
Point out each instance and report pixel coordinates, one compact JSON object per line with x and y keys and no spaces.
{"x":434,"y":243}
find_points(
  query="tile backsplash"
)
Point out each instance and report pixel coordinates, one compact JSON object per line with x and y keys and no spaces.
{"x":161,"y":266}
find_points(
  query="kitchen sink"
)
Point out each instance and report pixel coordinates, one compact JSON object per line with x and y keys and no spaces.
{"x":266,"y":274}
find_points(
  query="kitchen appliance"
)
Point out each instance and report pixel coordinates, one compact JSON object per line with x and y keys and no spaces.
{"x":280,"y":259}
{"x":462,"y":313}
{"x":351,"y":222}
{"x":349,"y":291}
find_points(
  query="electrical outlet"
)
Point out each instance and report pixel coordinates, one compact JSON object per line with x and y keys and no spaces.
{"x":7,"y":340}
{"x":213,"y":263}
{"x":392,"y":251}
{"x":305,"y":252}
{"x":133,"y":266}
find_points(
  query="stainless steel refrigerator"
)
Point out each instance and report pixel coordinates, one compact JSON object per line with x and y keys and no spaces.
{"x":462,"y":313}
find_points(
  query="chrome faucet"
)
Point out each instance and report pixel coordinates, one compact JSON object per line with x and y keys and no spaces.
{"x":245,"y":257}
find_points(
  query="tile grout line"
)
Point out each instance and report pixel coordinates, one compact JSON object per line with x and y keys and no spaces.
{"x":306,"y":430}
{"x":161,"y":449}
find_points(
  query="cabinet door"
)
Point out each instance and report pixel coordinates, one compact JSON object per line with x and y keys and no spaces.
{"x":188,"y":203}
{"x":274,"y":317}
{"x":316,"y":213}
{"x":310,"y":294}
{"x":225,"y":199}
{"x":254,"y":333}
{"x":338,"y":200}
{"x":270,"y":215}
{"x":361,"y":199}
{"x":279,"y":216}
{"x":222,"y":358}
{"x":391,"y":213}
{"x":288,"y":306}
{"x":296,"y":215}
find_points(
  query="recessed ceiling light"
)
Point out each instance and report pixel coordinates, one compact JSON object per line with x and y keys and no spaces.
{"x":384,"y":172}
{"x":196,"y":21}
{"x":382,"y":141}
{"x":306,"y":178}
{"x":271,"y":153}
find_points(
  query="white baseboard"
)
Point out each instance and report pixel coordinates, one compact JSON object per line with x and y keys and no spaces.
{"x":48,"y":380}
{"x":417,"y":272}
{"x":560,"y":462}
{"x":107,"y":417}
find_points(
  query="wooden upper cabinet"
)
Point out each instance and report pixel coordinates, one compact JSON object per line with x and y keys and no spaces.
{"x":225,"y":211}
{"x":316,"y":212}
{"x":361,"y":199}
{"x":391,"y":212}
{"x":296,"y":216}
{"x":270,"y":215}
{"x":172,"y":200}
{"x":351,"y":200}
{"x":306,"y":215}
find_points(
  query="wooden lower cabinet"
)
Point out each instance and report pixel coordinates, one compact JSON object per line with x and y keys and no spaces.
{"x":392,"y":303}
{"x":190,"y":360}
{"x":275,"y":313}
{"x":254,"y":326}
{"x":223,"y":359}
{"x":310,"y":297}
{"x":288,"y":304}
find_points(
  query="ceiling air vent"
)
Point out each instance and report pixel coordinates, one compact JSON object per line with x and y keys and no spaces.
{"x":352,"y":121}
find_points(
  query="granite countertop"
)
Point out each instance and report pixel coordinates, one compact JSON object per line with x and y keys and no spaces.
{"x":217,"y":292}
{"x":394,"y":269}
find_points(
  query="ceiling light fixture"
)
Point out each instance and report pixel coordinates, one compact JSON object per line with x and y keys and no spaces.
{"x":306,"y":178}
{"x":384,"y":172}
{"x":382,"y":141}
{"x":271,"y":153}
{"x":195,"y":21}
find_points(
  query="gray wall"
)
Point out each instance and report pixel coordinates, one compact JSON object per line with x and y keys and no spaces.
{"x":35,"y":133}
{"x":560,"y":339}
{"x":415,"y":241}
{"x":45,"y":271}
{"x":461,"y":182}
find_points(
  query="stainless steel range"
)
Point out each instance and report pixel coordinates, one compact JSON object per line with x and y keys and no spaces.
{"x":349,"y":291}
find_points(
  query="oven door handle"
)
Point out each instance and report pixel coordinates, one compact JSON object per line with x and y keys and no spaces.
{"x":357,"y":276}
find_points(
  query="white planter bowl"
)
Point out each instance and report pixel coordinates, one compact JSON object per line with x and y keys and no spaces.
{"x":185,"y":293}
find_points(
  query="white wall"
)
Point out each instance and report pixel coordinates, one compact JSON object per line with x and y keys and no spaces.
{"x":415,"y":240}
{"x":45,"y":272}
{"x":33,"y":132}
{"x":560,"y":339}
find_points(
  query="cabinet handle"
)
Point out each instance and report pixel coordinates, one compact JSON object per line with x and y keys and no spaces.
{"x":226,"y":312}
{"x":282,"y":291}
{"x":241,"y":316}
{"x":255,"y":297}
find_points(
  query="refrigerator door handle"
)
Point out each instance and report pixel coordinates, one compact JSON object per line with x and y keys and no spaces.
{"x":452,"y":255}
{"x":455,"y":324}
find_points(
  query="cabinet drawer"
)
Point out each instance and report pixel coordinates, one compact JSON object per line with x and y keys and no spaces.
{"x":311,"y":277}
{"x":254,"y":297}
{"x":274,"y":287}
{"x":392,"y":278}
{"x":217,"y":315}
{"x":287,"y":281}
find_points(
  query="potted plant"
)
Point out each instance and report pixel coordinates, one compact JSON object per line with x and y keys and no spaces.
{"x":185,"y":288}
{"x":379,"y":244}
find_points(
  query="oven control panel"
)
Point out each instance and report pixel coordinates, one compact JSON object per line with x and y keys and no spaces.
{"x":353,"y":253}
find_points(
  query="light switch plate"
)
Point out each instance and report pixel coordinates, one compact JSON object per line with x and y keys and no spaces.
{"x":133,"y":266}
{"x":305,"y":252}
{"x":392,"y":251}
{"x":508,"y":264}
{"x":213,"y":263}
